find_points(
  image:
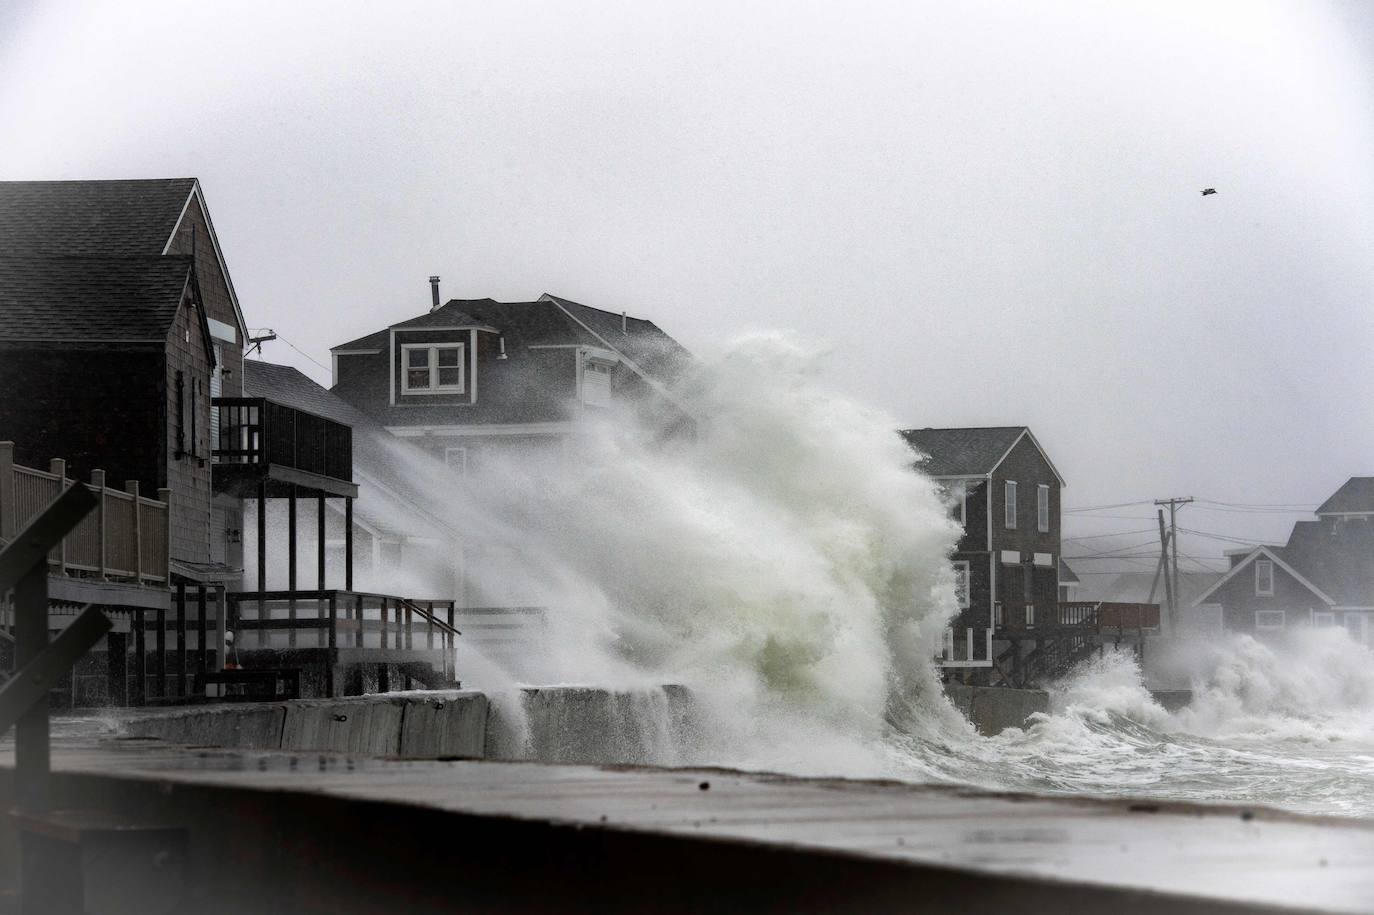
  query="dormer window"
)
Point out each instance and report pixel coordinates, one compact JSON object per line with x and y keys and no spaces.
{"x":1264,"y":577}
{"x":433,"y":368}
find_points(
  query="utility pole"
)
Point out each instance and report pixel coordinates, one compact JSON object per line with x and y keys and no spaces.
{"x":1174,"y":505}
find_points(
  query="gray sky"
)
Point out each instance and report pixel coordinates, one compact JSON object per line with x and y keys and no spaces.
{"x":992,"y":214}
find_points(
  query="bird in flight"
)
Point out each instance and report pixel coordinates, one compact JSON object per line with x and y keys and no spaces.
{"x":1208,"y":190}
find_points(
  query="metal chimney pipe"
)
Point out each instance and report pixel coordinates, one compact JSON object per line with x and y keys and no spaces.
{"x":434,"y":293}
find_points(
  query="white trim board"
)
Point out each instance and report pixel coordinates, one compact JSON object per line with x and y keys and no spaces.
{"x":199,"y":197}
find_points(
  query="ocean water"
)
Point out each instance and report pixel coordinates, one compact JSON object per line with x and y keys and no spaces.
{"x":786,"y":564}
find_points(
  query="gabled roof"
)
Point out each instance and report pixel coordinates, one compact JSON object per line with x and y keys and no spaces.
{"x":120,"y":218}
{"x":1067,"y":576}
{"x":1337,"y":556}
{"x":91,"y":217}
{"x":127,"y":299}
{"x":1276,"y":557}
{"x":388,"y":499}
{"x":639,"y":340}
{"x":1356,"y":496}
{"x":968,"y":452}
{"x":550,"y":321}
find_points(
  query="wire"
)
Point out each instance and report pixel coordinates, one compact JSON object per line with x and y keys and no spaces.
{"x":1143,"y":530}
{"x":303,"y":353}
{"x":1213,"y":536}
{"x":1093,"y":508}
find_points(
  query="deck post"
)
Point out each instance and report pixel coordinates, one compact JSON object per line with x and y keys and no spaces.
{"x":181,"y":640}
{"x":348,"y":544}
{"x":262,"y":561}
{"x":291,"y":562}
{"x":221,"y":626}
{"x":429,"y":627}
{"x":358,"y":616}
{"x":140,"y":692}
{"x":202,"y":658}
{"x":165,"y":497}
{"x":409,"y":626}
{"x":320,"y":545}
{"x":131,"y":487}
{"x":160,"y":640}
{"x":98,"y":483}
{"x":335,"y":682}
{"x":31,"y":752}
{"x":7,"y":520}
{"x":58,"y":466}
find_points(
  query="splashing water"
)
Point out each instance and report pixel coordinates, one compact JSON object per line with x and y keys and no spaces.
{"x":785,"y":564}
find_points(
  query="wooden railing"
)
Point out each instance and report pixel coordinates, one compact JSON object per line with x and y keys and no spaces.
{"x":344,"y":620}
{"x":1095,"y":616}
{"x":254,"y":430}
{"x":128,"y":536}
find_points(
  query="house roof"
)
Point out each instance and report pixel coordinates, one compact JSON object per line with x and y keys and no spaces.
{"x":641,"y":340}
{"x":971,"y":451}
{"x":1336,"y":556}
{"x":91,"y":217}
{"x":550,"y":320}
{"x":91,"y":298}
{"x":1067,"y":576}
{"x":119,"y":218}
{"x":1356,"y":496}
{"x":389,"y":499}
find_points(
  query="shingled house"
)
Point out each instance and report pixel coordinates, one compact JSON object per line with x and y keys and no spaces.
{"x":1322,"y":576}
{"x":118,"y":323}
{"x":1004,"y":490}
{"x":472,"y":377}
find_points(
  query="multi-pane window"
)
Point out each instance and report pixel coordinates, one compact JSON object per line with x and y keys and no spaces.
{"x":1009,"y":504}
{"x":436,"y":369}
{"x":961,"y":580}
{"x":1323,"y":620}
{"x":1264,"y":577}
{"x":1269,"y":619}
{"x":1042,"y":508}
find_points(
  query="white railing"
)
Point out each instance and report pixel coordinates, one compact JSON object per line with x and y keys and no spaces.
{"x":128,"y":536}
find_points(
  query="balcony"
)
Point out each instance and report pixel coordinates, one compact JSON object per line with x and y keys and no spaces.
{"x":1097,"y":617}
{"x":261,"y":445}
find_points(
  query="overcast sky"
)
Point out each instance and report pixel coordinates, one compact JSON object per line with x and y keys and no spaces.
{"x":991,"y":211}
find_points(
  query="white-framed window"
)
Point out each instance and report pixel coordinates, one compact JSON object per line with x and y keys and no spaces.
{"x":1264,"y":577}
{"x":1042,"y":508}
{"x":997,"y":615}
{"x":961,"y":582}
{"x":1270,"y":619}
{"x":1030,"y":616}
{"x":596,"y":382}
{"x":1009,"y":504}
{"x":457,"y":460}
{"x":433,"y":368}
{"x":1323,"y":620}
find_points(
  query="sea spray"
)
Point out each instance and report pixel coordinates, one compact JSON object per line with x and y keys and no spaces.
{"x":781,"y":559}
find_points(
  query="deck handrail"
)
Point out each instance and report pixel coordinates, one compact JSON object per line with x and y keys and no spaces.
{"x":259,"y":431}
{"x":128,"y":536}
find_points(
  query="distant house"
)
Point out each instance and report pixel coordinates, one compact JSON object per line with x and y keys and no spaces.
{"x":1322,"y":576}
{"x":399,"y":543}
{"x":1005,"y":491}
{"x":474,"y":376}
{"x":1068,"y":582}
{"x":118,"y":324}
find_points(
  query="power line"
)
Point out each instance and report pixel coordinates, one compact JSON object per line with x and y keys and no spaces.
{"x":1143,"y":530}
{"x":303,"y":353}
{"x":1093,"y":508}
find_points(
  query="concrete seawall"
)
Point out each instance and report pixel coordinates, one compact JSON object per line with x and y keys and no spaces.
{"x":565,"y":724}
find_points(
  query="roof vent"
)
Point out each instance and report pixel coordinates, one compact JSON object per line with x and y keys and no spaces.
{"x":434,"y":293}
